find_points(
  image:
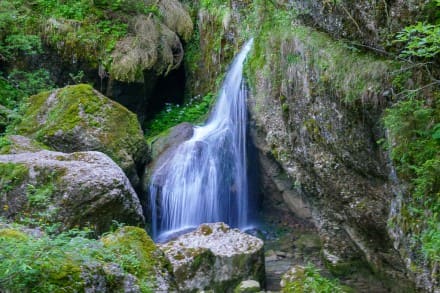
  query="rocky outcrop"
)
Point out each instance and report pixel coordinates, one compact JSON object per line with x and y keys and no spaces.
{"x":78,"y":189}
{"x":316,"y":133}
{"x":215,"y":257}
{"x":367,"y":22}
{"x":78,"y":118}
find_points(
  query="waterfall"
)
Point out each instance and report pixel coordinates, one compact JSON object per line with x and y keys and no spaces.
{"x":205,"y":179}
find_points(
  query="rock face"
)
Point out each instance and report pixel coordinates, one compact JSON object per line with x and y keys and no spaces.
{"x":78,"y":118}
{"x":366,"y":21}
{"x":215,"y":257}
{"x":78,"y":189}
{"x":316,"y":132}
{"x":169,"y":142}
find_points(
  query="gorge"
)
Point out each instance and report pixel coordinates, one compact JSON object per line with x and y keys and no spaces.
{"x":103,"y":146}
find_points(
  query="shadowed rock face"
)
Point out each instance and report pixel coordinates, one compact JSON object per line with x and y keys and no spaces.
{"x":367,"y":22}
{"x":215,"y":257}
{"x":319,"y":154}
{"x":78,"y":189}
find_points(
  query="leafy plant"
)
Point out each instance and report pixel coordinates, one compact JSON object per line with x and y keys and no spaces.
{"x":414,"y":134}
{"x":193,"y":111}
{"x":309,"y":280}
{"x":61,"y":263}
{"x":420,"y":40}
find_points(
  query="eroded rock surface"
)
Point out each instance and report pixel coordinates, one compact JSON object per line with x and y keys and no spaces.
{"x":215,"y":257}
{"x":78,"y":189}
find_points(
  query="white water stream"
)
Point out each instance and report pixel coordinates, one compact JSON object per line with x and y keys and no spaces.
{"x":206,"y":178}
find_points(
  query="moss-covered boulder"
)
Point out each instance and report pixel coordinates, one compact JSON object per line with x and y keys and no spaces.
{"x":215,"y":257}
{"x":123,"y":261}
{"x":152,"y":266}
{"x":78,"y":189}
{"x":79,"y":118}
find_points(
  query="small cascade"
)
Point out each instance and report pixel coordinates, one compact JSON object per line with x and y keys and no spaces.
{"x":206,"y":180}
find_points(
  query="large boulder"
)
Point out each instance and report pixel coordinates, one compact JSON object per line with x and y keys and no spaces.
{"x":78,"y":189}
{"x":215,"y":257}
{"x":79,"y":118}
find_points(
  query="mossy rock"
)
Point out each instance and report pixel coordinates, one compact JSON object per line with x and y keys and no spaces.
{"x":76,"y":190}
{"x":16,"y":144}
{"x":151,"y":267}
{"x":122,"y":261}
{"x":79,"y":118}
{"x":215,"y":257}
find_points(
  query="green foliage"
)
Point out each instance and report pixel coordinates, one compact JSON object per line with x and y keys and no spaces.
{"x":420,"y":40}
{"x":39,"y":196}
{"x":31,"y":83}
{"x":193,"y":111}
{"x":17,"y":87}
{"x":414,"y":133}
{"x":15,"y":44}
{"x":64,"y":262}
{"x":309,"y":280}
{"x":11,"y":175}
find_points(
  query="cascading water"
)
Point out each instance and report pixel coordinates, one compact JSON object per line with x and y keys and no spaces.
{"x":206,"y":179}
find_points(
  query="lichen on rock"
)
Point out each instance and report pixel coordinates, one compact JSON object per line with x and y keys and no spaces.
{"x":215,"y":257}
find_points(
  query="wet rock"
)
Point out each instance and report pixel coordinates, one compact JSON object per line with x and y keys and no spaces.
{"x":173,"y":138}
{"x":79,"y":118}
{"x":78,"y":189}
{"x":215,"y":257}
{"x":248,"y":286}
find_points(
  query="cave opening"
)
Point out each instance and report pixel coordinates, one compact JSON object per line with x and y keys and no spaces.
{"x":167,"y":89}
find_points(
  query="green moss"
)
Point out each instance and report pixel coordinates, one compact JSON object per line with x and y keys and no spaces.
{"x":55,"y":118}
{"x":13,"y":234}
{"x":346,"y":267}
{"x":30,"y":123}
{"x":69,"y":261}
{"x":11,"y":175}
{"x":137,"y":252}
{"x":333,"y":67}
{"x":206,"y":230}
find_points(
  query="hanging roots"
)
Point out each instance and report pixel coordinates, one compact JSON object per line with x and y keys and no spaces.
{"x":152,"y":43}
